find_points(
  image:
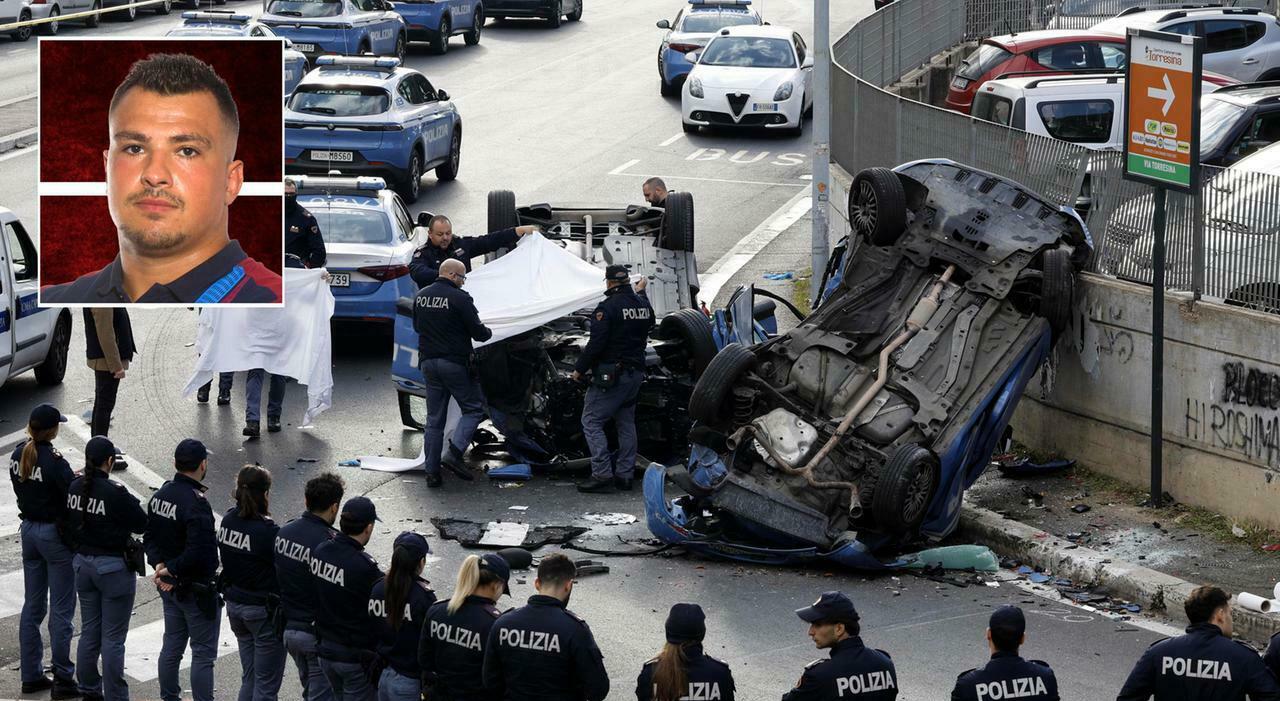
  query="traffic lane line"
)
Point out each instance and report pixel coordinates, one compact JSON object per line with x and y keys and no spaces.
{"x":749,"y":246}
{"x":689,"y":178}
{"x":142,"y":648}
{"x":672,"y":140}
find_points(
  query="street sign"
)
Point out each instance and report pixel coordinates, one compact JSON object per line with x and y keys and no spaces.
{"x":1162,"y":109}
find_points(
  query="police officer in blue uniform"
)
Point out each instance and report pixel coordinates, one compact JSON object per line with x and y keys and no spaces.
{"x":40,"y":477}
{"x":451,"y":651}
{"x":1007,"y":676}
{"x":344,"y":575}
{"x":544,"y":650}
{"x":442,"y":245}
{"x":246,"y":544}
{"x":854,"y":671}
{"x":302,"y":236}
{"x":1204,"y":664}
{"x":183,"y":549}
{"x":101,"y":516}
{"x":705,"y":676}
{"x":1271,"y":657}
{"x":398,"y":609}
{"x":294,"y":544}
{"x":614,"y":357}
{"x":446,"y":320}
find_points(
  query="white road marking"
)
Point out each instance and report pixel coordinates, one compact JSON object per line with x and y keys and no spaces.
{"x":12,"y":593}
{"x":142,"y":647}
{"x":99,"y":189}
{"x":751,"y":245}
{"x":672,"y":140}
{"x":19,"y":152}
{"x":624,"y":166}
{"x":681,"y":178}
{"x":16,"y":100}
{"x":136,"y":469}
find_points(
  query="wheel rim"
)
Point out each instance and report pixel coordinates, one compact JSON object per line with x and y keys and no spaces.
{"x":400,"y":47}
{"x":415,"y":175}
{"x":864,"y":207}
{"x":478,"y":21}
{"x":444,"y":36}
{"x":53,"y":26}
{"x":917,"y":494}
{"x":455,"y":152}
{"x":60,"y":344}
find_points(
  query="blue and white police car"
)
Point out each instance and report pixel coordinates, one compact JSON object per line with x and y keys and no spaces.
{"x":434,"y":21}
{"x":347,"y":27}
{"x":369,"y":240}
{"x":370,"y":116}
{"x":225,"y":23}
{"x":692,"y":28}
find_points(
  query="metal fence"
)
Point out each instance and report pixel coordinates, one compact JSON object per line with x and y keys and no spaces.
{"x":984,"y":18}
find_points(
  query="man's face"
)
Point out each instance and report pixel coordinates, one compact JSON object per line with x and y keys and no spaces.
{"x":825,"y":634}
{"x":290,"y":188}
{"x":441,"y":234}
{"x":654,"y":194}
{"x":170,"y":170}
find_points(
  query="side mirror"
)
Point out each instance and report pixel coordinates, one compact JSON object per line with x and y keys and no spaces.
{"x":693,"y":56}
{"x":807,"y":62}
{"x":442,"y":95}
{"x":424,"y":218}
{"x":664,"y":24}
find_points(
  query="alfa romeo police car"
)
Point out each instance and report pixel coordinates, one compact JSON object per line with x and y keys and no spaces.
{"x":369,"y":239}
{"x":367,"y":115}
{"x":31,"y":337}
{"x":339,"y":26}
{"x":225,"y":23}
{"x":692,"y":28}
{"x":435,"y":21}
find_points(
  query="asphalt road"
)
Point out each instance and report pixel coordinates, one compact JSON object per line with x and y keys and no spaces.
{"x":570,"y":115}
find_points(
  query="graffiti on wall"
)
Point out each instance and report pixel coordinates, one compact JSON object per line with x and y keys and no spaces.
{"x":1243,"y":418}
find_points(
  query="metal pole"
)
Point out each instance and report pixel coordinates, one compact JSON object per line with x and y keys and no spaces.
{"x":1157,"y":350}
{"x":821,"y":188}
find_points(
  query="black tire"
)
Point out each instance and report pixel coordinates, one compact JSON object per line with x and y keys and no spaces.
{"x":905,"y":486}
{"x":689,"y":128}
{"x":677,"y":223}
{"x":23,"y":33}
{"x":878,"y":206}
{"x":406,"y":411}
{"x":130,"y":13}
{"x":554,"y":20}
{"x":576,"y":14}
{"x":164,"y":8}
{"x":472,"y":37}
{"x":449,"y":169}
{"x":715,"y":385}
{"x":49,"y":29}
{"x":54,"y":368}
{"x":694,"y":329}
{"x":402,"y":46}
{"x":412,"y":185}
{"x":667,"y":89}
{"x":502,"y":210}
{"x":440,"y":45}
{"x":1057,"y":289}
{"x":92,"y":21}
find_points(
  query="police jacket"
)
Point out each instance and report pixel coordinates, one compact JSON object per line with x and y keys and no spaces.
{"x":42,"y":496}
{"x":180,"y":530}
{"x":446,"y":321}
{"x":123,"y":331}
{"x":295,"y":542}
{"x":399,"y":647}
{"x":302,"y":236}
{"x":343,"y":575}
{"x":101,"y":514}
{"x":544,"y":652}
{"x":619,"y":330}
{"x":854,"y":671}
{"x":709,"y":678}
{"x":1203,"y":665}
{"x":1272,"y":657}
{"x":451,"y":652}
{"x":425,"y":264}
{"x":1007,"y":676}
{"x":247,"y":548}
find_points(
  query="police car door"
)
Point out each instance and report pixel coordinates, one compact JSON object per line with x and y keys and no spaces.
{"x":31,"y":325}
{"x":6,"y":309}
{"x":463,"y":12}
{"x":378,"y":18}
{"x":435,"y":118}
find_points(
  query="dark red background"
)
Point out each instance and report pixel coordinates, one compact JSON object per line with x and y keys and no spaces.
{"x":74,"y":99}
{"x":77,"y":235}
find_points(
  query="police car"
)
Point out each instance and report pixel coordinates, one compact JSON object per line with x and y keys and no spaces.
{"x":692,"y":28}
{"x":31,"y":337}
{"x":371,"y":116}
{"x":435,"y":21}
{"x":551,"y":10}
{"x":339,"y":26}
{"x":369,"y":239}
{"x":749,"y":77}
{"x":225,"y":23}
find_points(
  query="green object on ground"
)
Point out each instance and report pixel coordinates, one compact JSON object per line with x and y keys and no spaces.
{"x":954,"y":557}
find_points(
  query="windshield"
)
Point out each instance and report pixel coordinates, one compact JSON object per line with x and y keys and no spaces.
{"x":1265,"y":161}
{"x":305,"y":8}
{"x":749,"y":52}
{"x":342,"y":225}
{"x":1217,"y":118}
{"x":710,"y":22}
{"x":339,"y":101}
{"x":980,"y":62}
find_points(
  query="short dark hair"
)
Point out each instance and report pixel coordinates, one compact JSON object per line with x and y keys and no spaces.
{"x":1006,"y":639}
{"x":323,"y":491}
{"x":557,"y":568}
{"x":1203,"y":602}
{"x":656,"y":182}
{"x":351,"y":526}
{"x":431,"y":223}
{"x":185,"y":466}
{"x":179,"y":74}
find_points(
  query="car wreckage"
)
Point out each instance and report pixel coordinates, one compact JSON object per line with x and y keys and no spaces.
{"x":858,"y":431}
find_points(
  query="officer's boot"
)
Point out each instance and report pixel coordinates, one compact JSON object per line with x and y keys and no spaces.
{"x":64,"y":689}
{"x":224,"y":399}
{"x":202,"y":394}
{"x":435,"y":481}
{"x":251,"y":429}
{"x":622,"y":484}
{"x":273,"y":424}
{"x":453,"y":460}
{"x":35,"y":687}
{"x":597,"y":486}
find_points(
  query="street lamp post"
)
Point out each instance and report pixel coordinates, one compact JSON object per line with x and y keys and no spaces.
{"x":821,"y":187}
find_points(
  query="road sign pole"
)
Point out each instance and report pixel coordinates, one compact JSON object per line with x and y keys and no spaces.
{"x":821,"y":187}
{"x":1157,"y":350}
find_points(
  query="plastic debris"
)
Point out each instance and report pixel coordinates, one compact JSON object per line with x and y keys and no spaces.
{"x":517,"y":508}
{"x":1024,"y":467}
{"x":1271,"y":547}
{"x":609,"y":519}
{"x":1037,"y":578}
{"x":354,"y":462}
{"x":1025,"y":570}
{"x":1237,"y":531}
{"x":1081,"y":508}
{"x":780,"y":276}
{"x":978,"y":558}
{"x":519,"y":471}
{"x":308,"y":459}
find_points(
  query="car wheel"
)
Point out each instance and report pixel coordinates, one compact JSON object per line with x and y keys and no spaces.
{"x":54,"y":367}
{"x":667,"y":89}
{"x":693,"y":329}
{"x":715,"y":385}
{"x":164,"y":7}
{"x":904,"y":488}
{"x":878,"y":206}
{"x":22,"y":33}
{"x":130,"y":13}
{"x":409,"y":406}
{"x":689,"y":128}
{"x":1057,"y":289}
{"x":402,"y":46}
{"x":557,"y":12}
{"x":577,"y":13}
{"x":93,"y":20}
{"x":412,"y":186}
{"x":472,"y":37}
{"x":440,"y":45}
{"x":449,"y":169}
{"x":677,"y":222}
{"x":50,"y":28}
{"x":502,"y":210}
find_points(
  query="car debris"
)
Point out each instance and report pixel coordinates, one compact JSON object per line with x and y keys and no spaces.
{"x":1025,"y":467}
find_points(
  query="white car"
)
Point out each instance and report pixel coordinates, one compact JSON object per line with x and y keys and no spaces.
{"x":1240,"y":42}
{"x":749,"y":77}
{"x":31,"y":337}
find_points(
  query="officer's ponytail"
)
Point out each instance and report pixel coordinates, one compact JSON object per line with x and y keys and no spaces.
{"x":27,"y":462}
{"x":401,"y":576}
{"x":252,"y":485}
{"x":470,"y":578}
{"x":670,"y":676}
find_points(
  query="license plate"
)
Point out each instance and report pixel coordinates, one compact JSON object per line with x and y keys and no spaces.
{"x":339,"y":279}
{"x":344,"y":156}
{"x":764,"y":107}
{"x":305,"y":48}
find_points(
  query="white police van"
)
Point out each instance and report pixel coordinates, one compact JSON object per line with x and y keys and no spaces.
{"x":31,"y":337}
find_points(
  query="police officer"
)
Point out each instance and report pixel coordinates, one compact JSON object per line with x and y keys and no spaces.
{"x":398,"y":609}
{"x":854,"y":671}
{"x":101,"y":515}
{"x":705,"y":677}
{"x":544,"y":650}
{"x":451,"y":652}
{"x":446,"y":320}
{"x":614,"y":357}
{"x":294,"y":544}
{"x":1204,"y":664}
{"x":246,"y":544}
{"x":40,"y":477}
{"x":442,"y":245}
{"x":344,"y":575}
{"x":1272,"y":656}
{"x":1007,"y":676}
{"x":302,"y":236}
{"x":182,"y":547}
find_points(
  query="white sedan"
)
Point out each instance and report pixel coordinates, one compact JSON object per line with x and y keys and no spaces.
{"x":749,"y":77}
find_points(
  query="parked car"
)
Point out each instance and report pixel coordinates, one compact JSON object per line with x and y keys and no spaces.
{"x":749,"y":77}
{"x":553,"y":11}
{"x":225,"y":23}
{"x":692,"y":28}
{"x":28,"y":10}
{"x":1243,"y":43}
{"x":1238,"y":121}
{"x":348,"y":27}
{"x":859,"y":430}
{"x":32,"y":337}
{"x":434,"y":21}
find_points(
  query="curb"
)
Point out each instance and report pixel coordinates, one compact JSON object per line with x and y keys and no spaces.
{"x":21,"y":139}
{"x":1154,"y":591}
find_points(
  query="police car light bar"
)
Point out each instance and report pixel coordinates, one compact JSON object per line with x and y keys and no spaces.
{"x":219,"y":15}
{"x":719,"y":2}
{"x":384,"y":62}
{"x":324,"y":183}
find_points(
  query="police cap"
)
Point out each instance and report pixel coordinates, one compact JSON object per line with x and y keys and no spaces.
{"x":189,"y":454}
{"x":686,"y":623}
{"x":1010,"y":620}
{"x":832,"y":606}
{"x":360,"y":510}
{"x":98,"y":449}
{"x":413,"y":542}
{"x":45,"y":417}
{"x":617,"y":273}
{"x":496,"y":564}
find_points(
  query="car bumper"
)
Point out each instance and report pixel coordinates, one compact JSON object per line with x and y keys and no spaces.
{"x":675,"y":67}
{"x":389,"y":171}
{"x":422,"y":21}
{"x":365,"y":301}
{"x":519,"y":8}
{"x":313,"y":41}
{"x":715,"y":110}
